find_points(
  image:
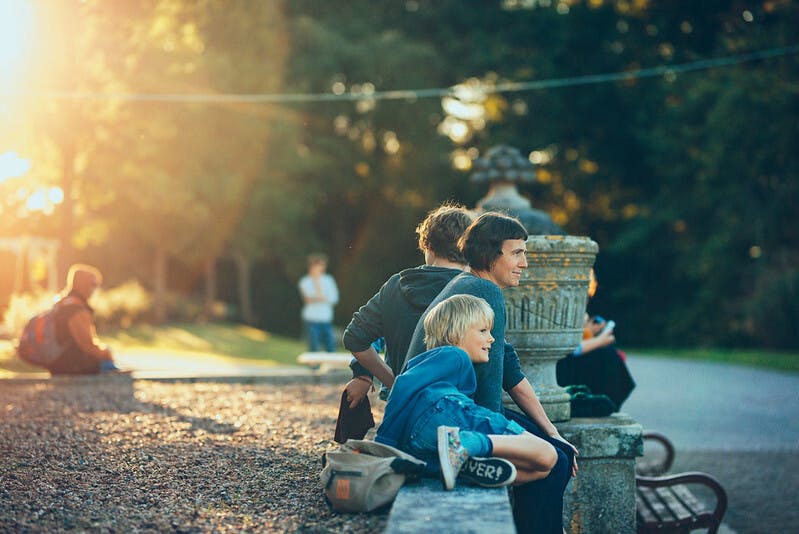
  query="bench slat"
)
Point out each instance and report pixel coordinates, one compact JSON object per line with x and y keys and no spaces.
{"x":644,"y":513}
{"x":672,"y":502}
{"x":691,"y":502}
{"x":656,"y":504}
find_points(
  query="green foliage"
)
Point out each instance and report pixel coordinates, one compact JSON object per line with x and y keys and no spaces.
{"x":121,"y":306}
{"x":688,"y":182}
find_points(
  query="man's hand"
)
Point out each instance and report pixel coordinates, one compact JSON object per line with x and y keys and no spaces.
{"x":357,"y":389}
{"x":575,"y":468}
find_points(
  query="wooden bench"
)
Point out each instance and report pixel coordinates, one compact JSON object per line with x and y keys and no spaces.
{"x":658,"y":455}
{"x":665,"y":503}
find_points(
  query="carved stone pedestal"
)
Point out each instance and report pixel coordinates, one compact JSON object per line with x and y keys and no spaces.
{"x":602,"y":497}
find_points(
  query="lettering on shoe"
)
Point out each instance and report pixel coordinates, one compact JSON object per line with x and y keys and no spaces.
{"x":483,"y":470}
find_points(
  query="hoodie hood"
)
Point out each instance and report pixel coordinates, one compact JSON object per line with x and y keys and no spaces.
{"x":420,"y":285}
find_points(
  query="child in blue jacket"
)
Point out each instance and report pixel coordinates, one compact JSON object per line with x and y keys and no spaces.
{"x":431,"y":415}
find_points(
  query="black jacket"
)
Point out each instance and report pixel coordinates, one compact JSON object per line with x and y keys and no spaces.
{"x":393,"y":313}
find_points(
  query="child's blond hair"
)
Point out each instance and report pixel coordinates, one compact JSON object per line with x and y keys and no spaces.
{"x":447,"y":322}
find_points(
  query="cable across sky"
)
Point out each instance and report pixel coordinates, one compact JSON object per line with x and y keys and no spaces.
{"x":414,"y":94}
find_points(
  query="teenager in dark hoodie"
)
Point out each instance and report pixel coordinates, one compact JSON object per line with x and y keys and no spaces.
{"x":393,"y":312}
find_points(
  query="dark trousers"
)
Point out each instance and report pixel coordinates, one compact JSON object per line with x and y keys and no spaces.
{"x":538,"y":505}
{"x":74,"y":362}
{"x":602,"y":370}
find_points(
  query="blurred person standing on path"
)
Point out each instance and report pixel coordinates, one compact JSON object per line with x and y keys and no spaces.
{"x":84,"y":353}
{"x":393,"y":312}
{"x":319,"y":294}
{"x":495,"y":247}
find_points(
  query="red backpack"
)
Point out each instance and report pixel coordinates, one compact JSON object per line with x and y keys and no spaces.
{"x":38,"y":343}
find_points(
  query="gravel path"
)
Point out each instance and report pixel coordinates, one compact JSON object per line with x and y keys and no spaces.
{"x":110,"y":454}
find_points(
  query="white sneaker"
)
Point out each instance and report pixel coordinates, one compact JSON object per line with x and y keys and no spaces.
{"x":451,"y":454}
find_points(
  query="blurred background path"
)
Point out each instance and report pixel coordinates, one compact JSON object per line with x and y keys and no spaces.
{"x":737,"y":423}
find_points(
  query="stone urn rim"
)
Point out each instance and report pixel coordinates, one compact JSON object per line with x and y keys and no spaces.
{"x":554,"y":242}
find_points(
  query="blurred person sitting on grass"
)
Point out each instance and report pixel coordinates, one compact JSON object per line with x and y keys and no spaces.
{"x":84,"y":353}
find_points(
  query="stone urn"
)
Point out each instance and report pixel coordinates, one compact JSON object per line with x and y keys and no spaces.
{"x":545,"y":313}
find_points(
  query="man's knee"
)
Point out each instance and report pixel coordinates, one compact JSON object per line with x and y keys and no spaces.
{"x":561,"y":467}
{"x":551,"y":457}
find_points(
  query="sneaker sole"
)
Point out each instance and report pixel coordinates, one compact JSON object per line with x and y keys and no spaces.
{"x":490,"y":472}
{"x":447,"y":473}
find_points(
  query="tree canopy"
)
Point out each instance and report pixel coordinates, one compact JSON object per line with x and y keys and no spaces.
{"x":687,"y":179}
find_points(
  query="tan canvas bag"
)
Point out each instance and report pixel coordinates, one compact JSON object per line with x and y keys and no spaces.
{"x":363,"y":475}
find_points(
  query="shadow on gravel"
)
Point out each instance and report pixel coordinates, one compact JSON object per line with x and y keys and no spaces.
{"x":121,"y":455}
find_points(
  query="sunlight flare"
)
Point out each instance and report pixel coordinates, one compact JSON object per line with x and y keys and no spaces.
{"x":16,"y":20}
{"x":12,"y":166}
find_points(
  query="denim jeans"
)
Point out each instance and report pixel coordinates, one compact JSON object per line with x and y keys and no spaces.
{"x":320,"y":333}
{"x":474,"y":422}
{"x":538,"y":505}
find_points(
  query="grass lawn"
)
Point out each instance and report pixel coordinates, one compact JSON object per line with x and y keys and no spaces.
{"x":220,"y":340}
{"x":241,"y":342}
{"x":780,"y":361}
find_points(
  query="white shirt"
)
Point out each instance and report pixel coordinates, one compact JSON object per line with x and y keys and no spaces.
{"x":319,"y":312}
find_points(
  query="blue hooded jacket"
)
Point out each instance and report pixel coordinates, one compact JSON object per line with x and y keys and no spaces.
{"x":428,"y":377}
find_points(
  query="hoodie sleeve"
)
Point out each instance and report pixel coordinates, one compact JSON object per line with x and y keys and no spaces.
{"x":366,"y":325}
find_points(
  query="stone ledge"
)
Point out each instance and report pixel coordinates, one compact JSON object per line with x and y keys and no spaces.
{"x":604,"y":437}
{"x":426,"y":507}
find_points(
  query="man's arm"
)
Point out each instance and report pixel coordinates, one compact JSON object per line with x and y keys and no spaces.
{"x":525,"y":398}
{"x":364,"y":329}
{"x":81,"y":327}
{"x":359,"y":386}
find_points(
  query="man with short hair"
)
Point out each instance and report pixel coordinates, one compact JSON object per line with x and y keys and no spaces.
{"x":495,"y":248}
{"x":84,"y":353}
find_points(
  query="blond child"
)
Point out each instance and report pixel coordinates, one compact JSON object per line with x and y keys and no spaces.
{"x":430,"y":412}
